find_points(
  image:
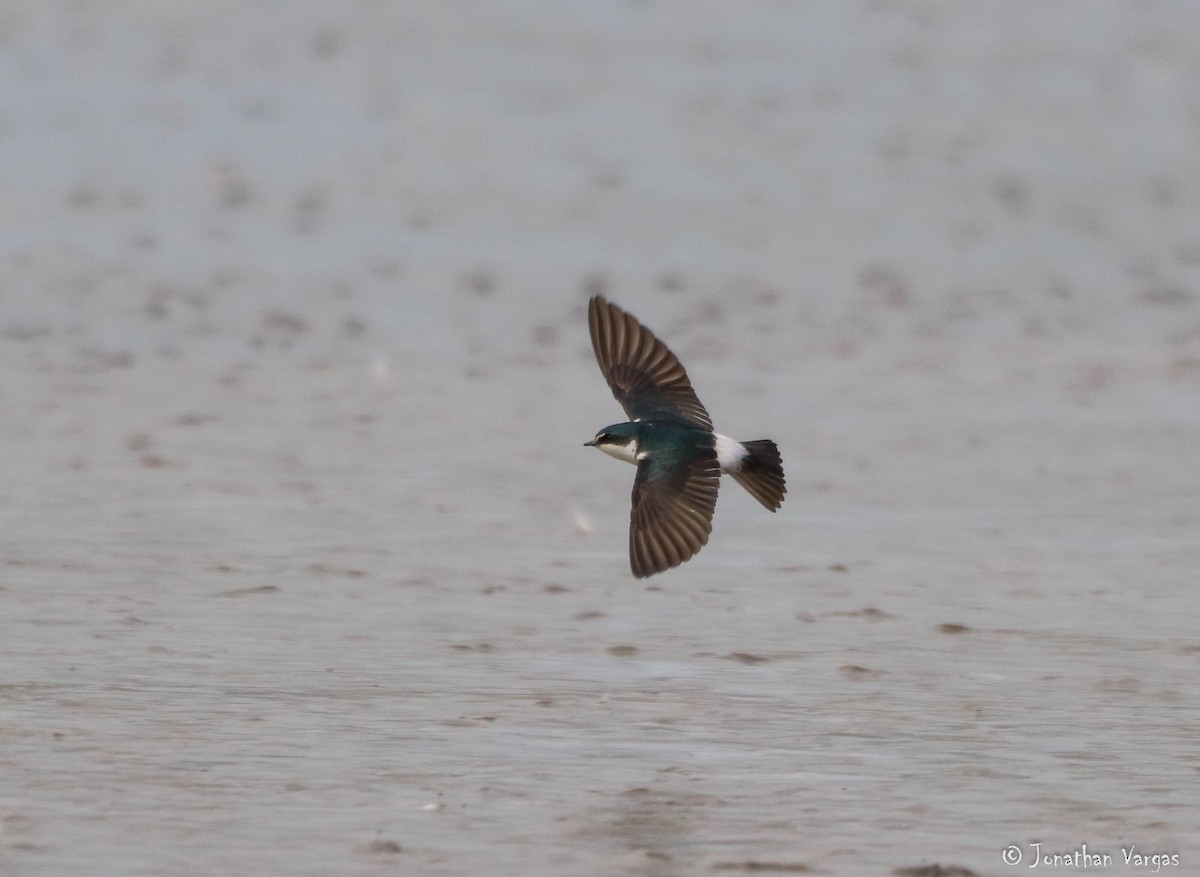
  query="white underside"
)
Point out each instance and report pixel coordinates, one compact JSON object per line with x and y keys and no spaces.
{"x":730,"y":452}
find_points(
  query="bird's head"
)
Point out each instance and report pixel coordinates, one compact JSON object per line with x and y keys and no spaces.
{"x":618,"y":440}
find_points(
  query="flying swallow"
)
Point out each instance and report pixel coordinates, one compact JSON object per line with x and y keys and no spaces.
{"x":670,"y":438}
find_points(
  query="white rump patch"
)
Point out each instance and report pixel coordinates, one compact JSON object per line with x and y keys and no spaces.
{"x":730,"y":453}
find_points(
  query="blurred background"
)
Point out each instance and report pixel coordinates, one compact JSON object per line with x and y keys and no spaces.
{"x":297,"y":373}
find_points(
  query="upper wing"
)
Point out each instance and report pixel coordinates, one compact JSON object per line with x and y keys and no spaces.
{"x":672,"y":513}
{"x":644,"y":375}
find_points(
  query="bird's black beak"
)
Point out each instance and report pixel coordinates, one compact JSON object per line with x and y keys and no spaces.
{"x":590,"y":444}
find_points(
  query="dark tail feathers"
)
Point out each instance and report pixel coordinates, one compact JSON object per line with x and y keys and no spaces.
{"x":762,"y":473}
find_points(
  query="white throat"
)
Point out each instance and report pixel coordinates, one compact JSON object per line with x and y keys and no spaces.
{"x":628,"y":452}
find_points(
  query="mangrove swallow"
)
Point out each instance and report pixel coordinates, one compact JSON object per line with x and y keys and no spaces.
{"x":670,"y":438}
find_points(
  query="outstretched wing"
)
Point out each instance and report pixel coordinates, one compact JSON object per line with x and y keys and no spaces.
{"x":672,"y":513}
{"x":644,"y":375}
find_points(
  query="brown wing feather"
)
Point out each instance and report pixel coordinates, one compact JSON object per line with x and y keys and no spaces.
{"x":645,"y":376}
{"x":672,"y":513}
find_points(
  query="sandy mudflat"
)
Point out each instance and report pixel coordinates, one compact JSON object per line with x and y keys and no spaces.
{"x":305,"y":571}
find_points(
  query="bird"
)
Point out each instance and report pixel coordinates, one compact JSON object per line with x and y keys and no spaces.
{"x":670,"y":438}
